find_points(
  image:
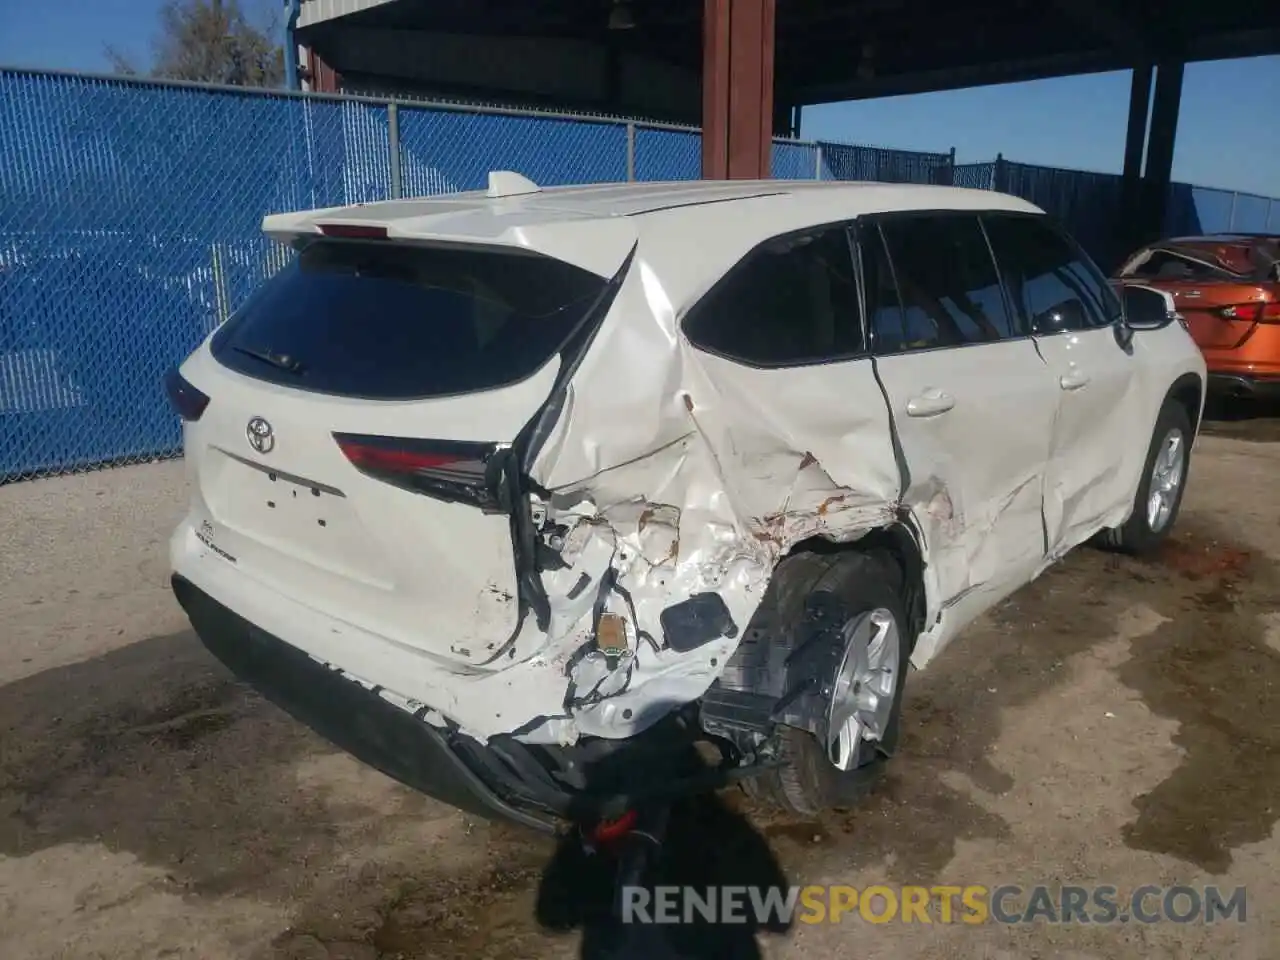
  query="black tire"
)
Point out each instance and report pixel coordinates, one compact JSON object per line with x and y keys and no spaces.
{"x":847,"y":584}
{"x":1136,"y":536}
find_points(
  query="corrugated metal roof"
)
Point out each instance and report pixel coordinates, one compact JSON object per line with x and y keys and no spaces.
{"x":317,"y":11}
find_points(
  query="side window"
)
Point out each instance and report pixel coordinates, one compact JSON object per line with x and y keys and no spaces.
{"x":1054,"y":288}
{"x":947,"y":281}
{"x":884,"y":308}
{"x":791,"y":301}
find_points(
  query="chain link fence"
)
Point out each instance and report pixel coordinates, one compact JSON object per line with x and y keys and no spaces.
{"x":1091,"y":206}
{"x":1088,"y":204}
{"x":843,"y":161}
{"x":667,"y":153}
{"x":129,"y":227}
{"x":1194,"y":210}
{"x":130,"y":216}
{"x":446,"y":151}
{"x":974,"y":176}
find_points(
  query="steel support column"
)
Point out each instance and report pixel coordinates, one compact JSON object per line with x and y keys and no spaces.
{"x":737,"y":88}
{"x":1158,"y":171}
{"x":1128,"y":233}
{"x":323,"y":78}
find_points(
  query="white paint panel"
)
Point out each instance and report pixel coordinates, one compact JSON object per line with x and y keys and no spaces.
{"x":975,"y":424}
{"x":669,"y":470}
{"x":317,"y":11}
{"x":431,"y":576}
{"x":1100,"y":436}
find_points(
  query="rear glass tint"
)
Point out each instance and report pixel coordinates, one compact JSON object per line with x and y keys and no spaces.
{"x":397,"y":322}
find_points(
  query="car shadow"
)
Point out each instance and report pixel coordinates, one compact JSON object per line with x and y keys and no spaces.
{"x":707,"y":849}
{"x":1242,"y":419}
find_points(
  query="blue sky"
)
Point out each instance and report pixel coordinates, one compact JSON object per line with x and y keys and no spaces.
{"x":1228,"y":130}
{"x":1228,"y":133}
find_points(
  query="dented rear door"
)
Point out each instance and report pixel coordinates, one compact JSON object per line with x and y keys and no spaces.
{"x":972,"y":401}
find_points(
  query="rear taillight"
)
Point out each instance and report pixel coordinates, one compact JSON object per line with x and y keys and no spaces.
{"x":1256,"y":311}
{"x":186,"y":400}
{"x":456,"y":471}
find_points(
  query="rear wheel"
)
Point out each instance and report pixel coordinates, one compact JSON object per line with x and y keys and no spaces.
{"x":848,"y":645}
{"x":1164,"y":478}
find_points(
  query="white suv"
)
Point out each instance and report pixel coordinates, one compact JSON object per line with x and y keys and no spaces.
{"x":521,"y":495}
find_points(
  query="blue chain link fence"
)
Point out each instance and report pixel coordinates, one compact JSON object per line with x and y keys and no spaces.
{"x":130,"y":216}
{"x":843,"y":161}
{"x":1090,"y":204}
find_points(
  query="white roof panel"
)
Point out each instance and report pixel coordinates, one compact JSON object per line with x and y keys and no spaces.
{"x":317,"y":11}
{"x":707,"y":221}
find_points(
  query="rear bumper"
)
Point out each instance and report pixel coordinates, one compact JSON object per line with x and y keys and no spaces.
{"x":349,"y":716}
{"x":530,"y":785}
{"x":1244,"y":386}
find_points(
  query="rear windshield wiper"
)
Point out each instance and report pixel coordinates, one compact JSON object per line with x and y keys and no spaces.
{"x":281,"y":361}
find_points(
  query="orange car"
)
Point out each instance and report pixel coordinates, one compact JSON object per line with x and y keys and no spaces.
{"x":1227,"y":288}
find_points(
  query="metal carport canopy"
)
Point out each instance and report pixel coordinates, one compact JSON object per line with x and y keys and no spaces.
{"x":825,"y":50}
{"x":738,"y":67}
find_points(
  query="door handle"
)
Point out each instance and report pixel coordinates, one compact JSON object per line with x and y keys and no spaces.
{"x":931,"y":403}
{"x":1074,"y":380}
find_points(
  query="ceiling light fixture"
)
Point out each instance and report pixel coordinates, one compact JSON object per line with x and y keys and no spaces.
{"x":620,"y":17}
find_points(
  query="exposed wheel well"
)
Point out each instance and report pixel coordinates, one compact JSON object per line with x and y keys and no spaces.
{"x":1188,"y":390}
{"x":894,"y":541}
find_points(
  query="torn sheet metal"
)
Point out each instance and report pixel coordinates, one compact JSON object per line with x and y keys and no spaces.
{"x":680,"y":485}
{"x":975,"y":497}
{"x":671,"y":484}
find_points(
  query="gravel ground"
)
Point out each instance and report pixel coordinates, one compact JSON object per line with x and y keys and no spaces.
{"x":1115,"y":722}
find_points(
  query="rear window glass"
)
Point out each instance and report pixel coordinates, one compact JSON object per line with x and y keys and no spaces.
{"x":399,"y":322}
{"x":1170,"y":265}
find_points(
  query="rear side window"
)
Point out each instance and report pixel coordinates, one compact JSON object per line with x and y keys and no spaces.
{"x":398,"y":322}
{"x":791,"y":301}
{"x":946,"y":281}
{"x":1168,"y":265}
{"x":1052,"y":285}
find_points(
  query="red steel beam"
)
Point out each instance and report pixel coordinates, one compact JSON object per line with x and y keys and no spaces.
{"x":324,"y":78}
{"x":737,"y":88}
{"x":715,"y":89}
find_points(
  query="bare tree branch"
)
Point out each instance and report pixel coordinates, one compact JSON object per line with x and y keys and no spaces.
{"x":121,"y":63}
{"x":213,"y":41}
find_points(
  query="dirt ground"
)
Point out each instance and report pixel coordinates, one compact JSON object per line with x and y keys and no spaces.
{"x":1115,"y":722}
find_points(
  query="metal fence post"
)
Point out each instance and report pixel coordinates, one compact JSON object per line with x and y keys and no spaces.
{"x":951,"y":167}
{"x":631,"y":152}
{"x":393,"y":143}
{"x":1231,"y":217}
{"x":998,"y":175}
{"x":817,"y":161}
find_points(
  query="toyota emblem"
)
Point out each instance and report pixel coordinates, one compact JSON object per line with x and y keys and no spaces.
{"x":261,"y":437}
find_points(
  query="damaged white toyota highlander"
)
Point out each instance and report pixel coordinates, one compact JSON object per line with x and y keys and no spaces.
{"x":551,"y":502}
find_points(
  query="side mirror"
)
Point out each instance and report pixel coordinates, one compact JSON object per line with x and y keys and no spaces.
{"x":1146,"y":308}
